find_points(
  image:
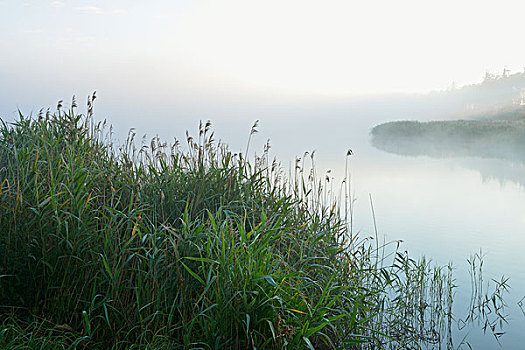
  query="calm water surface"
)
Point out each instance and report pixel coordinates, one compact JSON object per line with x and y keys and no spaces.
{"x":448,"y":210}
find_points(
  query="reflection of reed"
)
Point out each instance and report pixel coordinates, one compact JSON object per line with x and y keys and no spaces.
{"x":521,"y":305}
{"x":487,"y":309}
{"x":421,"y":304}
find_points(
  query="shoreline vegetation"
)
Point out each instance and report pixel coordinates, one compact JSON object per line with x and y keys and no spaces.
{"x":157,"y":246}
{"x":496,"y":96}
{"x":497,"y":139}
{"x":490,"y":125}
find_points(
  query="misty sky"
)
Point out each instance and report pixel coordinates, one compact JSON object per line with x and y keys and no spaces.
{"x":191,"y":48}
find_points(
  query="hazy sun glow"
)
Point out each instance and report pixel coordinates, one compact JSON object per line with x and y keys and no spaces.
{"x":330,"y":47}
{"x":353,"y":46}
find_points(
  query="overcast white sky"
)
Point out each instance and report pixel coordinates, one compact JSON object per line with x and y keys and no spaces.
{"x":286,"y":47}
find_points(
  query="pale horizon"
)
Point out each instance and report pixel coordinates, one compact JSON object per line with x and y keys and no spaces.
{"x":290,"y":48}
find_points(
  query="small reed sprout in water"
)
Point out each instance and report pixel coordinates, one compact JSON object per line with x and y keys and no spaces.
{"x":487,"y":309}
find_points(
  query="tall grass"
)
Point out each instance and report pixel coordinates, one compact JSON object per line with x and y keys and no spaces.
{"x":168,"y":246}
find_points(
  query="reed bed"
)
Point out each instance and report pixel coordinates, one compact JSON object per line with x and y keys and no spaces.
{"x":167,"y":246}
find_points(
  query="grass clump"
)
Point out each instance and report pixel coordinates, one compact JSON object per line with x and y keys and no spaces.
{"x":160,"y":246}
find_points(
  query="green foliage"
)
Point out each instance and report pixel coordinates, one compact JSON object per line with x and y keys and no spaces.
{"x":164,"y":247}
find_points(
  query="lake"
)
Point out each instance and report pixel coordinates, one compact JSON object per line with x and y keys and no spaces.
{"x":449,"y":209}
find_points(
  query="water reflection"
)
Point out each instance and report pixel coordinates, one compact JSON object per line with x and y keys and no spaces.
{"x":504,"y":171}
{"x":495,"y":150}
{"x":446,"y":152}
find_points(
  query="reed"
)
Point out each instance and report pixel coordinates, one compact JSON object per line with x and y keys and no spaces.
{"x":158,"y":245}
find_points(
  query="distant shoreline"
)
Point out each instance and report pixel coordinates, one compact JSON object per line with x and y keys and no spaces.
{"x":494,"y":138}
